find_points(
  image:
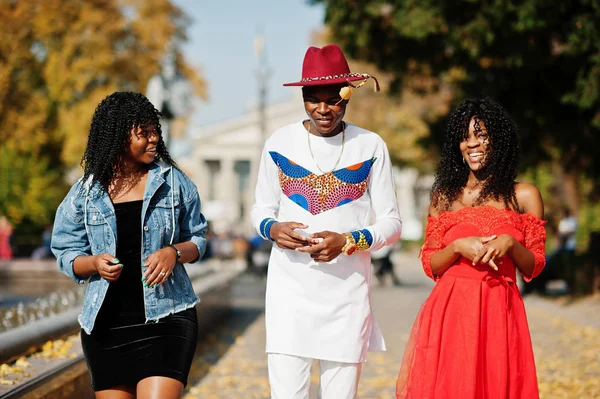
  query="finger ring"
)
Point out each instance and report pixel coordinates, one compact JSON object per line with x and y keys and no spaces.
{"x":162,"y":273}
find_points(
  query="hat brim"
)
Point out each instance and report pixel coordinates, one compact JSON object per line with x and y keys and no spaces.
{"x":325,"y":82}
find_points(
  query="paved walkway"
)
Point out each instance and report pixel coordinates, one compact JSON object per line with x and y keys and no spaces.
{"x":232,"y":363}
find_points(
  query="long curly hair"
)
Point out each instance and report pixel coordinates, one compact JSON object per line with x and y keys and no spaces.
{"x":109,"y":134}
{"x":501,"y":164}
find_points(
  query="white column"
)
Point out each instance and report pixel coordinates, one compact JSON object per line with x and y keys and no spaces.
{"x":227,"y":190}
{"x":406,"y":180}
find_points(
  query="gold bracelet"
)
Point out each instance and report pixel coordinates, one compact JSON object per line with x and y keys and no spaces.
{"x":350,"y":247}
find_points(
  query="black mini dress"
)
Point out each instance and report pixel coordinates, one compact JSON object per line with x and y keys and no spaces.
{"x":122,"y":348}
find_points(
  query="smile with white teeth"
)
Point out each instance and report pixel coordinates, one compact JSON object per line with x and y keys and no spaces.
{"x":476,"y":154}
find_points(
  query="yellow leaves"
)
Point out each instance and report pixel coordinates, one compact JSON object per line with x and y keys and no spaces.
{"x":10,"y":375}
{"x":22,"y":362}
{"x":74,"y":123}
{"x":4,"y":370}
{"x":58,"y":349}
{"x":566,"y":356}
{"x":455,"y":75}
{"x":57,"y":54}
{"x":60,"y":58}
{"x":22,"y":368}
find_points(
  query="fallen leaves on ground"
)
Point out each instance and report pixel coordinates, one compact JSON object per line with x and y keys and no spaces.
{"x":58,"y":349}
{"x":12,"y":374}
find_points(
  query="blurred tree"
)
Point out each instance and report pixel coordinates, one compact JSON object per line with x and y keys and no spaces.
{"x":403,"y":120}
{"x":58,"y":60}
{"x":539,"y":58}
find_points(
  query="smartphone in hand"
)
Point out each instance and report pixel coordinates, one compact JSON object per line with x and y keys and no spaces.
{"x":303,"y":233}
{"x":307,"y":237}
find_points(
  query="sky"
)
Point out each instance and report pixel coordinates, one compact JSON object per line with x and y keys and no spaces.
{"x":221,"y":46}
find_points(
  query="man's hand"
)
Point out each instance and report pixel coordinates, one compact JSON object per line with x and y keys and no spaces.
{"x":328,"y":249}
{"x":108,"y":266}
{"x":285,"y":237}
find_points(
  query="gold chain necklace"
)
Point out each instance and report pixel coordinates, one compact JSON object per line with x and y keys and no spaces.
{"x":473,"y":187}
{"x":341,"y":151}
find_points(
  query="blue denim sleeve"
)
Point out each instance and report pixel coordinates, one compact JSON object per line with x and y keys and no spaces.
{"x":69,"y":238}
{"x":192,"y":224}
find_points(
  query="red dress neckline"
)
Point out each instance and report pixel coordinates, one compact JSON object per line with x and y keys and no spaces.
{"x":484,"y":208}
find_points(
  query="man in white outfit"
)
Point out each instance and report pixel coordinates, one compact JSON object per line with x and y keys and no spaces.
{"x":325,"y":195}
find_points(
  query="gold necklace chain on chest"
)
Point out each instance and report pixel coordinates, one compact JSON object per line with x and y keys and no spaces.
{"x":341,"y":151}
{"x":474,"y":186}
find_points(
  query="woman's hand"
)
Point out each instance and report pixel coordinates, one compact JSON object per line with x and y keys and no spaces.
{"x":495,"y":249}
{"x":160,"y":265}
{"x":469,"y":247}
{"x":285,"y":237}
{"x":326,"y":250}
{"x":107,"y":266}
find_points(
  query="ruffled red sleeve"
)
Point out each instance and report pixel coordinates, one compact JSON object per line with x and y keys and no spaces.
{"x":434,"y":234}
{"x":535,"y":241}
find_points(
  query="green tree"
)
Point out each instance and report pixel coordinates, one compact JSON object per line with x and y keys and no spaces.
{"x":402,"y":120}
{"x":539,"y":58}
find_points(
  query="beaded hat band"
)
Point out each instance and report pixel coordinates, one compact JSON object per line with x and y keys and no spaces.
{"x":328,"y":66}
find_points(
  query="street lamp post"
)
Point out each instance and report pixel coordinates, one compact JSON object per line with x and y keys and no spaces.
{"x":171,"y":93}
{"x":262,"y":75}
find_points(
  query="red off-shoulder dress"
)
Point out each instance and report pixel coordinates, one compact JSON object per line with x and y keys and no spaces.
{"x":471,"y":339}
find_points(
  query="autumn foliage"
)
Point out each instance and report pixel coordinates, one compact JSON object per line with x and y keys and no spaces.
{"x":58,"y":59}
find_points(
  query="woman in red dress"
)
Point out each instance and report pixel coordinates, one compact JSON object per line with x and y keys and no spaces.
{"x":5,"y":234}
{"x":470,"y":339}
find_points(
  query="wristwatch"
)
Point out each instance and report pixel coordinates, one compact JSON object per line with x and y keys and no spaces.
{"x":177,"y":253}
{"x":350,"y":247}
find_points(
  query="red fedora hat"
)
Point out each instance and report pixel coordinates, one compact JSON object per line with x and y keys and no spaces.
{"x":328,"y":66}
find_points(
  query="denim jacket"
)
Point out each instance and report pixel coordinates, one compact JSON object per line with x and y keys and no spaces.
{"x":86,"y":224}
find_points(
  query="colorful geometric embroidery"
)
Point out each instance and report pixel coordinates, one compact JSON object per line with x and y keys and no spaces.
{"x":363,"y":239}
{"x":290,"y":168}
{"x":320,"y":193}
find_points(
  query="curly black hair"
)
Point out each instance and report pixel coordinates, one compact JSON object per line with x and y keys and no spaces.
{"x":500,"y":167}
{"x":109,"y":135}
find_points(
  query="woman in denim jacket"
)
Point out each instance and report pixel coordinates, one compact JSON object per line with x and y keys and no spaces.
{"x":127,"y":226}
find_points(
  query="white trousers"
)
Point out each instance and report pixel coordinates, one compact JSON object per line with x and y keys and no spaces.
{"x":289,"y":377}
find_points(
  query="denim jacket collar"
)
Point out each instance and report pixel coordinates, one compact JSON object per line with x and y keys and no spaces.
{"x":155,"y":179}
{"x":98,"y":197}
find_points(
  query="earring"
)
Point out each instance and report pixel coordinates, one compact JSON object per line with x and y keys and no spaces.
{"x":464,"y":161}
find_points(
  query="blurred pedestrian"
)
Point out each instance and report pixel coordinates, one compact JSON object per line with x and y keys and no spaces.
{"x":330,"y":185}
{"x":6,"y":231}
{"x":471,"y":338}
{"x":560,"y":260}
{"x":567,"y":232}
{"x":382,"y":261}
{"x":45,"y":250}
{"x":128,"y":226}
{"x":257,"y":256}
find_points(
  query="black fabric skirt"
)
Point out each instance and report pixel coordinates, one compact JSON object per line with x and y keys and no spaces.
{"x":124,"y":355}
